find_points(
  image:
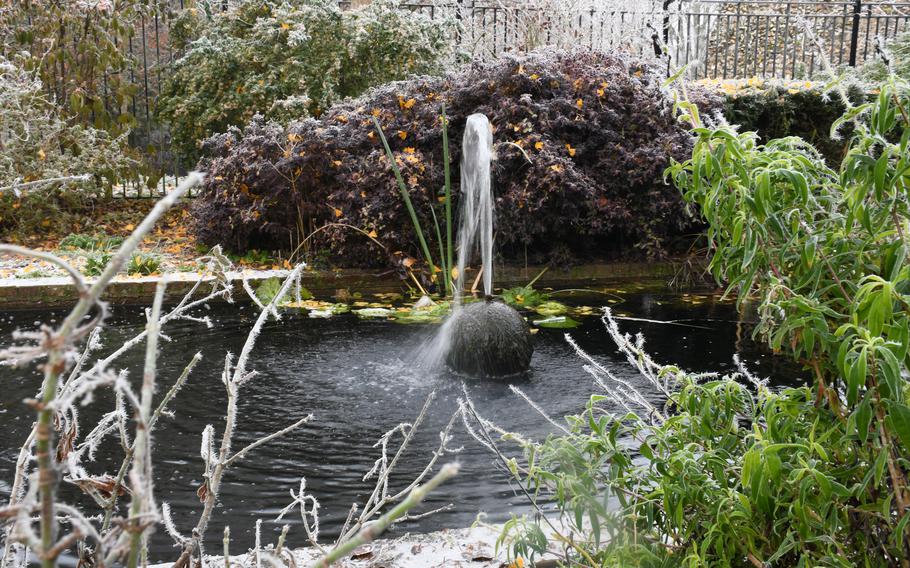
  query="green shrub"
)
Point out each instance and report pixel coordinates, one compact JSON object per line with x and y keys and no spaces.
{"x":38,"y":145}
{"x":776,"y":110}
{"x":288,"y":59}
{"x":88,"y":42}
{"x":725,"y":471}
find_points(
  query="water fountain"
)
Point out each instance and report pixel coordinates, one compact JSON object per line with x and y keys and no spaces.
{"x":486,"y":338}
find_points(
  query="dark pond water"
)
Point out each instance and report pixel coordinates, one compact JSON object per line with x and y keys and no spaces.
{"x":356,"y":378}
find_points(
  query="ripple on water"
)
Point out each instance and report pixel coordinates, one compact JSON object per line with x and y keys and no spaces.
{"x":358,"y":379}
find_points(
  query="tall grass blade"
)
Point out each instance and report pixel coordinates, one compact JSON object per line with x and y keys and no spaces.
{"x":442,"y":254}
{"x":449,"y":260}
{"x":407,"y":199}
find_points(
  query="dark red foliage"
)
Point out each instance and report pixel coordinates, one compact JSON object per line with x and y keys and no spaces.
{"x":597,"y":128}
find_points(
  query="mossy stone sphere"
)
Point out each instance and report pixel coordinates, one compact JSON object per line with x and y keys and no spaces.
{"x":489,"y":339}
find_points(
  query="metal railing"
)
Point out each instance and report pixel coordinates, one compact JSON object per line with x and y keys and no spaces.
{"x":727,"y":39}
{"x":763,"y":38}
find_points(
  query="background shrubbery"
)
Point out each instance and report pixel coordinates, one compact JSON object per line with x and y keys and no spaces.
{"x":36,"y":144}
{"x":590,"y":136}
{"x":775,"y":109}
{"x":288,"y":59}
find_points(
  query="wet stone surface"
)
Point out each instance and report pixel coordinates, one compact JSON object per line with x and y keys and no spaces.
{"x":490,"y":340}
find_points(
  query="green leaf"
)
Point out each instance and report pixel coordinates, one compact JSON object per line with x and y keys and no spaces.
{"x":899,"y":421}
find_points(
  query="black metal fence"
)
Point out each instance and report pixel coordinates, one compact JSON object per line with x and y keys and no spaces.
{"x":718,"y":38}
{"x":766,"y":38}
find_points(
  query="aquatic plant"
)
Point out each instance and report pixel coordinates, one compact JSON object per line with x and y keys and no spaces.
{"x":289,"y":60}
{"x":62,"y":449}
{"x":725,"y":470}
{"x":597,"y":128}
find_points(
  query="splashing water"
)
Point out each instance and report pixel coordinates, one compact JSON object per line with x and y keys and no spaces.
{"x":476,"y":202}
{"x":475,"y":231}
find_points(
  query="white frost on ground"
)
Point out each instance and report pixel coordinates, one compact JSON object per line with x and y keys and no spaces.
{"x":456,"y":548}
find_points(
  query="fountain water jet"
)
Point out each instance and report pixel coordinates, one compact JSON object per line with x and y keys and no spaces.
{"x":487,"y":338}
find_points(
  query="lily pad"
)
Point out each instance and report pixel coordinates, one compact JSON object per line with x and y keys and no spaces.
{"x":268,"y":289}
{"x":551,"y":309}
{"x":373,"y":312}
{"x":319,"y":309}
{"x":523,"y":297}
{"x":427,"y":314}
{"x":557,"y":322}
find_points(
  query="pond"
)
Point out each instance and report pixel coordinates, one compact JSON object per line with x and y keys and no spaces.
{"x":358,"y":380}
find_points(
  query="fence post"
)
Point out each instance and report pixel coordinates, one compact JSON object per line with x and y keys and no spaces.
{"x":666,"y":35}
{"x":459,"y":22}
{"x":854,"y":33}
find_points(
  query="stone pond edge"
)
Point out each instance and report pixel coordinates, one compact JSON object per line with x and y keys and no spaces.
{"x":55,"y":292}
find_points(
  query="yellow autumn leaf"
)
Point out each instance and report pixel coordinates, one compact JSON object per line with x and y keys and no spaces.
{"x":571,"y":150}
{"x":285,"y":26}
{"x":402,"y":134}
{"x":454,"y":273}
{"x":41,"y":155}
{"x":129,"y":227}
{"x":538,"y":145}
{"x":579,"y":103}
{"x":409,"y":150}
{"x":556,"y":168}
{"x":337,"y":211}
{"x":408,"y":262}
{"x":535,"y":76}
{"x":373,"y":234}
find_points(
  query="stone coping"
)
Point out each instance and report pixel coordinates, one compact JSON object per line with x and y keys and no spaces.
{"x":24,"y":293}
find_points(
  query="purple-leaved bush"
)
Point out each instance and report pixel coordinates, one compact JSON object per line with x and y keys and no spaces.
{"x":597,"y":129}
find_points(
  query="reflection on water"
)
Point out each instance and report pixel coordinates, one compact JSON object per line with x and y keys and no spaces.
{"x":355,"y":377}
